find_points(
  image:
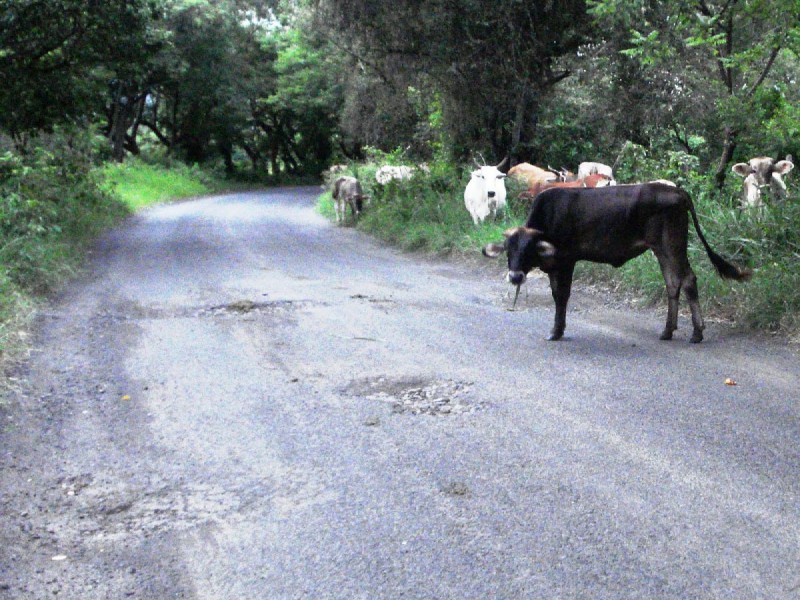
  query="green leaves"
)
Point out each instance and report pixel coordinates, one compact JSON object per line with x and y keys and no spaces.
{"x":649,"y":49}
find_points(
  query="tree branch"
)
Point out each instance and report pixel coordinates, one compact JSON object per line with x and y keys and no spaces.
{"x":765,"y":71}
{"x":158,"y":133}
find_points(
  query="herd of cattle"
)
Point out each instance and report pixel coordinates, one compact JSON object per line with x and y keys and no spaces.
{"x":587,"y":216}
{"x":485,"y":194}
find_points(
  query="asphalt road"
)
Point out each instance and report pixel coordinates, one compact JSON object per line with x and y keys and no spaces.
{"x":240,"y":400}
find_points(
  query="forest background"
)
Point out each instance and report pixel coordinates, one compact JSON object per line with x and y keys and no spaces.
{"x":97,"y":95}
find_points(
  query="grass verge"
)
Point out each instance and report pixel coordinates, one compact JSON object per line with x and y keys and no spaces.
{"x":139,"y":184}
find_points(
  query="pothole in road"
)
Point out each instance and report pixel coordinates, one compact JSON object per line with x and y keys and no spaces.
{"x":246,"y":307}
{"x":372,"y":299}
{"x":418,"y":396}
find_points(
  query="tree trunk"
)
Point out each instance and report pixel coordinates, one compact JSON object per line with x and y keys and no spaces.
{"x":526,"y":118}
{"x":131,"y":141}
{"x":226,"y":149}
{"x":120,"y":118}
{"x":728,"y":147}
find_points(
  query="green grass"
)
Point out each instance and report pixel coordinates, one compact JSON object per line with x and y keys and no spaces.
{"x":138,"y":184}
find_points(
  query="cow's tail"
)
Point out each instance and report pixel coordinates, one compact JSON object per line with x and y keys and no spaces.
{"x":725,"y":269}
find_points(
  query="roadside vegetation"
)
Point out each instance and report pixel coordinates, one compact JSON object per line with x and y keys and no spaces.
{"x":138,"y":184}
{"x":54,"y":200}
{"x":103,"y":106}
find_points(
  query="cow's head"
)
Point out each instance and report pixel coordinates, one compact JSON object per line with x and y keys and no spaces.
{"x":759,"y":172}
{"x":357,"y":202}
{"x":491,"y":180}
{"x":764,"y":169}
{"x":565,"y":175}
{"x":526,"y":250}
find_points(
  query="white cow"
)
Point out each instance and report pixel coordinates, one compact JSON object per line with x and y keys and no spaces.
{"x":485,"y":193}
{"x":590,"y":168}
{"x":760,"y":172}
{"x":388,"y":172}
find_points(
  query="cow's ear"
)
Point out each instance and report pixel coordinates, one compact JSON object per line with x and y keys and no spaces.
{"x":782,"y":167}
{"x":509,"y":232}
{"x":742,"y":169}
{"x":545,"y":249}
{"x":493,"y":250}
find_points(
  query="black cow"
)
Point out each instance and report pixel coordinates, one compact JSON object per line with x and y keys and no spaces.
{"x":610,"y":225}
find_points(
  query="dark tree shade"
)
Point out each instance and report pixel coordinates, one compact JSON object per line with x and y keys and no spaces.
{"x":490,"y":61}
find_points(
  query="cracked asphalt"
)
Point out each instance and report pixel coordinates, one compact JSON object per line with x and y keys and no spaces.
{"x":239,"y":399}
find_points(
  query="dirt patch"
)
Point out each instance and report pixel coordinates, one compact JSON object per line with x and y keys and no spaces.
{"x":418,"y":396}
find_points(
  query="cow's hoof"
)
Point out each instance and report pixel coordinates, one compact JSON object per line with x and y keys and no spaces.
{"x":666,"y":336}
{"x":697,"y":337}
{"x":554,"y":337}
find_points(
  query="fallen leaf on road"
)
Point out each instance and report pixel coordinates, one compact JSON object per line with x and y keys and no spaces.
{"x":730,"y":381}
{"x":126,"y":397}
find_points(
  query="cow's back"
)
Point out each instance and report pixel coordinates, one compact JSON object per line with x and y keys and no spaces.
{"x":347,"y":187}
{"x":603,"y":223}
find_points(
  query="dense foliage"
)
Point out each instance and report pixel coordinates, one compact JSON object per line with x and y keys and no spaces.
{"x":51,"y":203}
{"x":289,"y":87}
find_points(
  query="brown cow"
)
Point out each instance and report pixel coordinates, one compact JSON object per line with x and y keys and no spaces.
{"x":531,"y":174}
{"x":590,"y":181}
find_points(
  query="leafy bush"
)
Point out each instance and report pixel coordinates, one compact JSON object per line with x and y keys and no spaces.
{"x":50,"y":205}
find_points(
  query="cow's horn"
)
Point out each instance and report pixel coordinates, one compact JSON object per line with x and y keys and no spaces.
{"x":503,"y":164}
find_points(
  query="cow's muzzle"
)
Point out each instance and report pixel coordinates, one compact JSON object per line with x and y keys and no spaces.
{"x":491,"y":194}
{"x":516,"y":277}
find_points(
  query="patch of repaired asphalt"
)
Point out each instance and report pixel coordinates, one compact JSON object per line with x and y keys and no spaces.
{"x":418,"y":396}
{"x":130,"y":311}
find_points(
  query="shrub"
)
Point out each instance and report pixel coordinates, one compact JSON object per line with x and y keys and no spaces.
{"x":50,"y":205}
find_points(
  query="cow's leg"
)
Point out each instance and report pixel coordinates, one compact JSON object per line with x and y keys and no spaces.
{"x":560,"y":286}
{"x":673,"y":279}
{"x":689,"y":287}
{"x":337,"y":210}
{"x":352,"y":206}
